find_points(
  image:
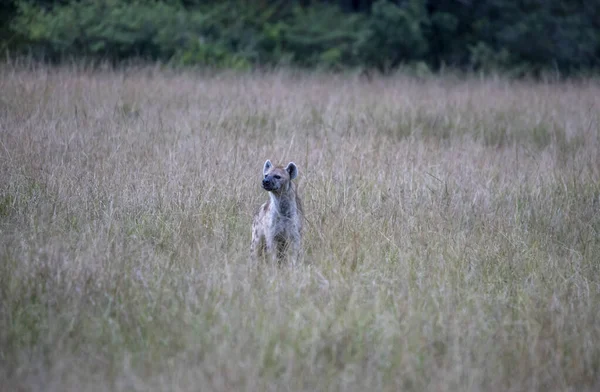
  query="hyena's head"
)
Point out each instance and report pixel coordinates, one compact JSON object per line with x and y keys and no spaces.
{"x":277,"y":179}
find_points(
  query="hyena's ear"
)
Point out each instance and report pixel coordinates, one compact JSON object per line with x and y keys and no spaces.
{"x":292,"y":170}
{"x":267,"y":166}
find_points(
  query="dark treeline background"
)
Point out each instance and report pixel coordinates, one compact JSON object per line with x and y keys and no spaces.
{"x":520,"y":36}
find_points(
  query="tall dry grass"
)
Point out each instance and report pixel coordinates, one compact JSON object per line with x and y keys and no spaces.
{"x":452,"y":238}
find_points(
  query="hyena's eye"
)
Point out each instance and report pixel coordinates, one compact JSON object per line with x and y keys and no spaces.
{"x":265,"y":176}
{"x":277,"y":177}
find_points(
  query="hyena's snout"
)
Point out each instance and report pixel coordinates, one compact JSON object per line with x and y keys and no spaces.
{"x":269,"y":184}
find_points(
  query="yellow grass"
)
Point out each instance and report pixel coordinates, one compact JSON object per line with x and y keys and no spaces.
{"x":452,"y":239}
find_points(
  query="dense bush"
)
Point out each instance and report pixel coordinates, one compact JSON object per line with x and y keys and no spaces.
{"x":395,"y":34}
{"x":487,"y":34}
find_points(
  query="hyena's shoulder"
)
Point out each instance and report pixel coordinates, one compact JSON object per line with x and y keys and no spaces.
{"x":261,"y":212}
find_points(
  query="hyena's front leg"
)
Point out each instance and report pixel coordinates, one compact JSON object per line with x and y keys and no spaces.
{"x":271,"y":250}
{"x":281,"y":251}
{"x":296,"y":250}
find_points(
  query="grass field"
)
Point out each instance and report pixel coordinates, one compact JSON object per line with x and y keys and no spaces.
{"x":452,"y":237}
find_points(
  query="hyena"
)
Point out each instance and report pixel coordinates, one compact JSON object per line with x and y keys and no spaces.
{"x":277,"y":226}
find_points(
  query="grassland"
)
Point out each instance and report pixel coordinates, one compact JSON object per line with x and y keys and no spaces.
{"x":452,"y":239}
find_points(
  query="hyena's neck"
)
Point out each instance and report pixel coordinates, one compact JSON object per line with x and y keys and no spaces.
{"x":284,"y":204}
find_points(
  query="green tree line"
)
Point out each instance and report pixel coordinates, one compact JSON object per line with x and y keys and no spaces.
{"x":522,"y":36}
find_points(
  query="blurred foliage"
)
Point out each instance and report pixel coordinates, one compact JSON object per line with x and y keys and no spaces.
{"x":526,"y":36}
{"x":395,"y":34}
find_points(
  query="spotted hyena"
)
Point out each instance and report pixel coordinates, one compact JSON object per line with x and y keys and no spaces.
{"x":277,"y":226}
